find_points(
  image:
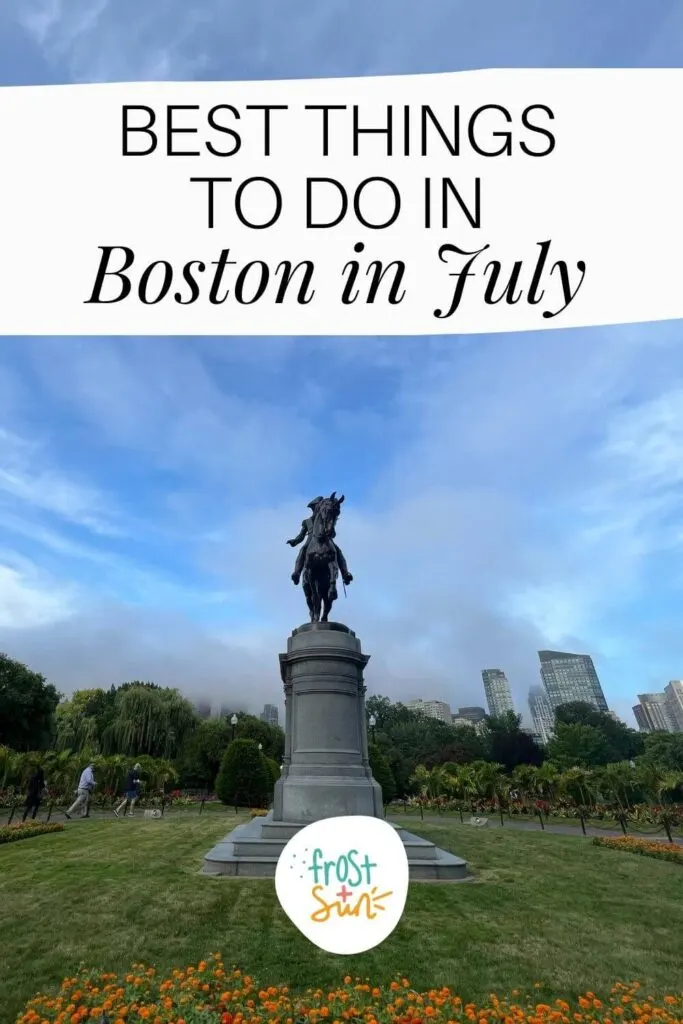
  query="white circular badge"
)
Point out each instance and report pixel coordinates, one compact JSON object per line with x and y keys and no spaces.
{"x":343,"y":882}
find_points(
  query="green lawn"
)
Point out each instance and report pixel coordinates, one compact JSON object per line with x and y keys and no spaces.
{"x":546,"y":908}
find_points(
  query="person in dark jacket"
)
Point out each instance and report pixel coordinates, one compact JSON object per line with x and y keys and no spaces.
{"x":34,"y":794}
{"x":131,"y":792}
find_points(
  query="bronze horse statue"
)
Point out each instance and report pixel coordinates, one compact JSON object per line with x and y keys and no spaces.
{"x":322,"y":557}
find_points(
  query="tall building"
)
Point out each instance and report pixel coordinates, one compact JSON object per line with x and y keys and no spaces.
{"x":661,"y":712}
{"x":654,"y":713}
{"x":641,"y":718}
{"x":269,"y":715}
{"x":432,"y":709}
{"x":674,"y":697}
{"x":474,"y":715}
{"x":541,"y":713}
{"x":571,"y":677}
{"x":497,"y":690}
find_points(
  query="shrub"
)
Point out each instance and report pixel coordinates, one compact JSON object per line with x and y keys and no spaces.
{"x":382,"y":774}
{"x":27,"y":829}
{"x":208,"y":993}
{"x":646,"y":848}
{"x":273,"y":769}
{"x":244,"y":779}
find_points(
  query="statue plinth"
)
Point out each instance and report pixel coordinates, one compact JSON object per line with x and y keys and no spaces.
{"x":326,"y":771}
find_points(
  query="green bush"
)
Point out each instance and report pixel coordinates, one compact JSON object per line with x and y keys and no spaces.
{"x":244,"y":779}
{"x":274,"y":769}
{"x":382,"y":774}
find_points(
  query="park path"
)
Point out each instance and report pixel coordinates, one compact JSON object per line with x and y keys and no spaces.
{"x":527,"y":826}
{"x":407,"y":821}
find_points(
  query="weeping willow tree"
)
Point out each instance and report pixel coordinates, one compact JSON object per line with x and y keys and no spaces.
{"x":151,"y":721}
{"x":74,"y":729}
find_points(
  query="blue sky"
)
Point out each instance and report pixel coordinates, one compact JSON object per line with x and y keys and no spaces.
{"x":503,"y":493}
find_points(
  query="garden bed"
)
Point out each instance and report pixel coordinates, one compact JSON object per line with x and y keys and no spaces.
{"x":209,"y":992}
{"x":660,"y":850}
{"x":26,"y":830}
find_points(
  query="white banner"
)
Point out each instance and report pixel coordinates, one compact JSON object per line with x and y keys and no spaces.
{"x":501,"y":200}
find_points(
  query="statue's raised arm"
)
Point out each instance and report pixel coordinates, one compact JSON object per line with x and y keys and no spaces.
{"x":320,"y":560}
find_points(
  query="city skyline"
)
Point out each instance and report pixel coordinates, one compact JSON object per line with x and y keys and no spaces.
{"x":655,"y":711}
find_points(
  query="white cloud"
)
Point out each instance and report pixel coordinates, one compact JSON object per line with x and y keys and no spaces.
{"x":26,"y":481}
{"x":158,"y":398}
{"x":28,"y":598}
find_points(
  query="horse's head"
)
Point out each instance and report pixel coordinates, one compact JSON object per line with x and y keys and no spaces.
{"x":326,"y":515}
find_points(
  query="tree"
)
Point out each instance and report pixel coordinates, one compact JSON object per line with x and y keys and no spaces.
{"x":618,"y":780}
{"x":387,"y":714}
{"x":151,"y":720}
{"x":382,"y":773}
{"x":431,"y":783}
{"x":489,"y":781}
{"x":624,"y":743}
{"x":75,"y":729}
{"x":664,"y":749}
{"x":202,"y":753}
{"x":577,"y":783}
{"x":271,"y":737}
{"x":401,"y":768}
{"x":579,"y":745}
{"x":274,"y":769}
{"x":244,"y":779}
{"x":508,"y":744}
{"x":463,"y":746}
{"x":27,"y":706}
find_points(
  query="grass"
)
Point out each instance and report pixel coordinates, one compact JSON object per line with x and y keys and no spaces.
{"x":544,"y":908}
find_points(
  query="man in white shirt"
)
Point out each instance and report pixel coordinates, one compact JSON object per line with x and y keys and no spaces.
{"x":86,"y":785}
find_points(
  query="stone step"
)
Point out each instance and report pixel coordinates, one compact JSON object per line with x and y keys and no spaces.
{"x":416,"y":849}
{"x":246,"y":852}
{"x":448,"y":869}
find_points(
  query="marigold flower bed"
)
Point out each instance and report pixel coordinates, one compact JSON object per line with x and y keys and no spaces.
{"x":27,"y":829}
{"x":208,"y":992}
{"x":662,"y":851}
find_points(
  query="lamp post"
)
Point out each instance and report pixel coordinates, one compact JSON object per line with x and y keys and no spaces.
{"x":233,"y":723}
{"x":372,"y":722}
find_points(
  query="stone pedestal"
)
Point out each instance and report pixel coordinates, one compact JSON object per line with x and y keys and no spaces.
{"x":326,"y":772}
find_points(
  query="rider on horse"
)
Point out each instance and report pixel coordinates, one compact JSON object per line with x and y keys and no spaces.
{"x":305,"y":532}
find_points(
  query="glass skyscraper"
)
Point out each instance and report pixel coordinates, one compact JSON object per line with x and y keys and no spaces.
{"x":541,"y":713}
{"x":497,"y":690}
{"x":571,"y":677}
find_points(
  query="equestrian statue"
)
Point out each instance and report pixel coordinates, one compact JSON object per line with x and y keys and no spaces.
{"x":320,"y":560}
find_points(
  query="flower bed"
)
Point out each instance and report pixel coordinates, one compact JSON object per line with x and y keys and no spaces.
{"x":208,"y":993}
{"x":663,"y":851}
{"x":24,"y":830}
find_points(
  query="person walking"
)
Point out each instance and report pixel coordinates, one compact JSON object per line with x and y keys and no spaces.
{"x":34,"y":793}
{"x":86,"y":785}
{"x":131,"y":792}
